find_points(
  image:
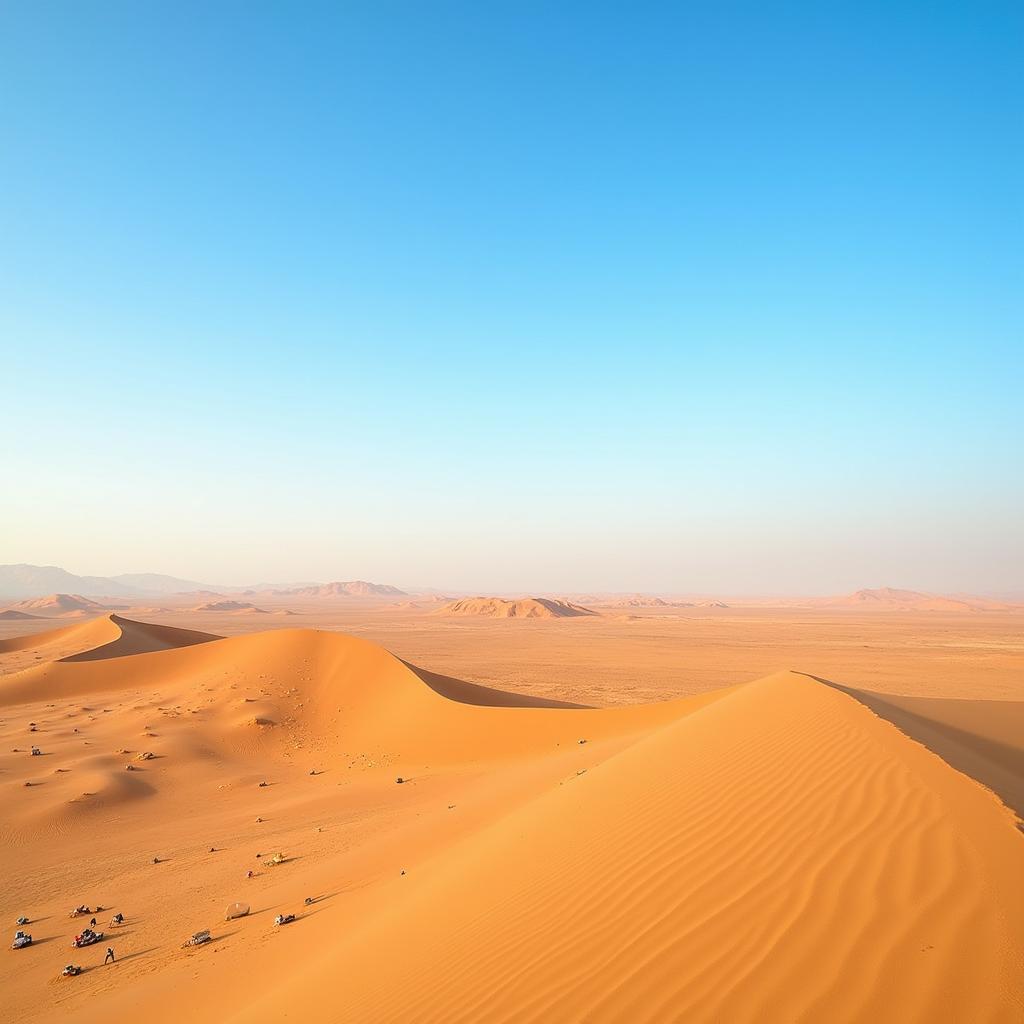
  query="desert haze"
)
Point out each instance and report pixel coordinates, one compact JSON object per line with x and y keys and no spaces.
{"x":511,"y":513}
{"x":648,"y":810}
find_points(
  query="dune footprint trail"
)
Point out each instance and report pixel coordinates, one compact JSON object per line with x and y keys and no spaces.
{"x":769,"y":852}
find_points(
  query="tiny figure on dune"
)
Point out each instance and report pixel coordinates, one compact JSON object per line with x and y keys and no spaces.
{"x":109,"y":958}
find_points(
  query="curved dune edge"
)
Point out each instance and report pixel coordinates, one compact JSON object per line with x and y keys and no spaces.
{"x":108,"y":636}
{"x":359,"y":694}
{"x":93,"y":633}
{"x":142,"y":638}
{"x":981,"y":738}
{"x":778,"y":855}
{"x":769,"y":852}
{"x":485,"y":696}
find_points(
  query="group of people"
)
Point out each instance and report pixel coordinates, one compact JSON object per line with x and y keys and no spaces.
{"x":89,"y":936}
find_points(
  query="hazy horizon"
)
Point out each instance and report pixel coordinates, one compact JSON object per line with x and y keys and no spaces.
{"x":714,"y":301}
{"x":422,"y":587}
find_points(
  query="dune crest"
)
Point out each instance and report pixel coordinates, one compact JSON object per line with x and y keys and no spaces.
{"x":772,"y":851}
{"x":776,"y":855}
{"x":109,"y":636}
{"x":981,"y":738}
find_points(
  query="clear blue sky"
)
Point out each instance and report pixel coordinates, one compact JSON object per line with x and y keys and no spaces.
{"x":719,"y":297}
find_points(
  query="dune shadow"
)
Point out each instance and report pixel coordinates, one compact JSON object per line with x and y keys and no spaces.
{"x":966,"y":734}
{"x":462,"y":692}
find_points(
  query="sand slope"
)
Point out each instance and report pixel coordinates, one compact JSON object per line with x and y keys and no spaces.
{"x":773,"y":851}
{"x":778,"y":855}
{"x":110,"y":636}
{"x":982,"y":738}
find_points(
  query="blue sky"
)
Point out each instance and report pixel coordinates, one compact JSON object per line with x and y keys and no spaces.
{"x":710,"y":297}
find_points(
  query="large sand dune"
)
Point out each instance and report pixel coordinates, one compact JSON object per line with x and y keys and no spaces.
{"x":773,"y":851}
{"x":983,"y":738}
{"x":110,"y":636}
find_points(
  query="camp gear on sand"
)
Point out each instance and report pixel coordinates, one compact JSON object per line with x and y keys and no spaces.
{"x":236,"y":909}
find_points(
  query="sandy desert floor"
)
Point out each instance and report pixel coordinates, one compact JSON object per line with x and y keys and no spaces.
{"x":767,"y":815}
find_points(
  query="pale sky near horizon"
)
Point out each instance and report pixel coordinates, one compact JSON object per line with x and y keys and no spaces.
{"x":720,"y":298}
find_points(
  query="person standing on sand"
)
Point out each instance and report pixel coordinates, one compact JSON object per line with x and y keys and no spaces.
{"x":109,"y":958}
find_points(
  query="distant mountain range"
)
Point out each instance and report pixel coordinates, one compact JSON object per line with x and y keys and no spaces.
{"x":892,"y":599}
{"x":64,"y":604}
{"x":352,"y":588}
{"x":20,"y":583}
{"x":37,"y":580}
{"x":32,"y":581}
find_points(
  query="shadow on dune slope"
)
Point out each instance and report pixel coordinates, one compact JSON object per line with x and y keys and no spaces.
{"x":483,"y":696}
{"x":981,"y":738}
{"x":142,"y":638}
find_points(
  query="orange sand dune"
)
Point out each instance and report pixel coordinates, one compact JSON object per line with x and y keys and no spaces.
{"x":142,"y":638}
{"x":982,"y":738}
{"x":109,"y":636}
{"x":777,"y":855}
{"x":772,"y":851}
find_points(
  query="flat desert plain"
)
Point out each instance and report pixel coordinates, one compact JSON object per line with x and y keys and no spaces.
{"x":673,"y":814}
